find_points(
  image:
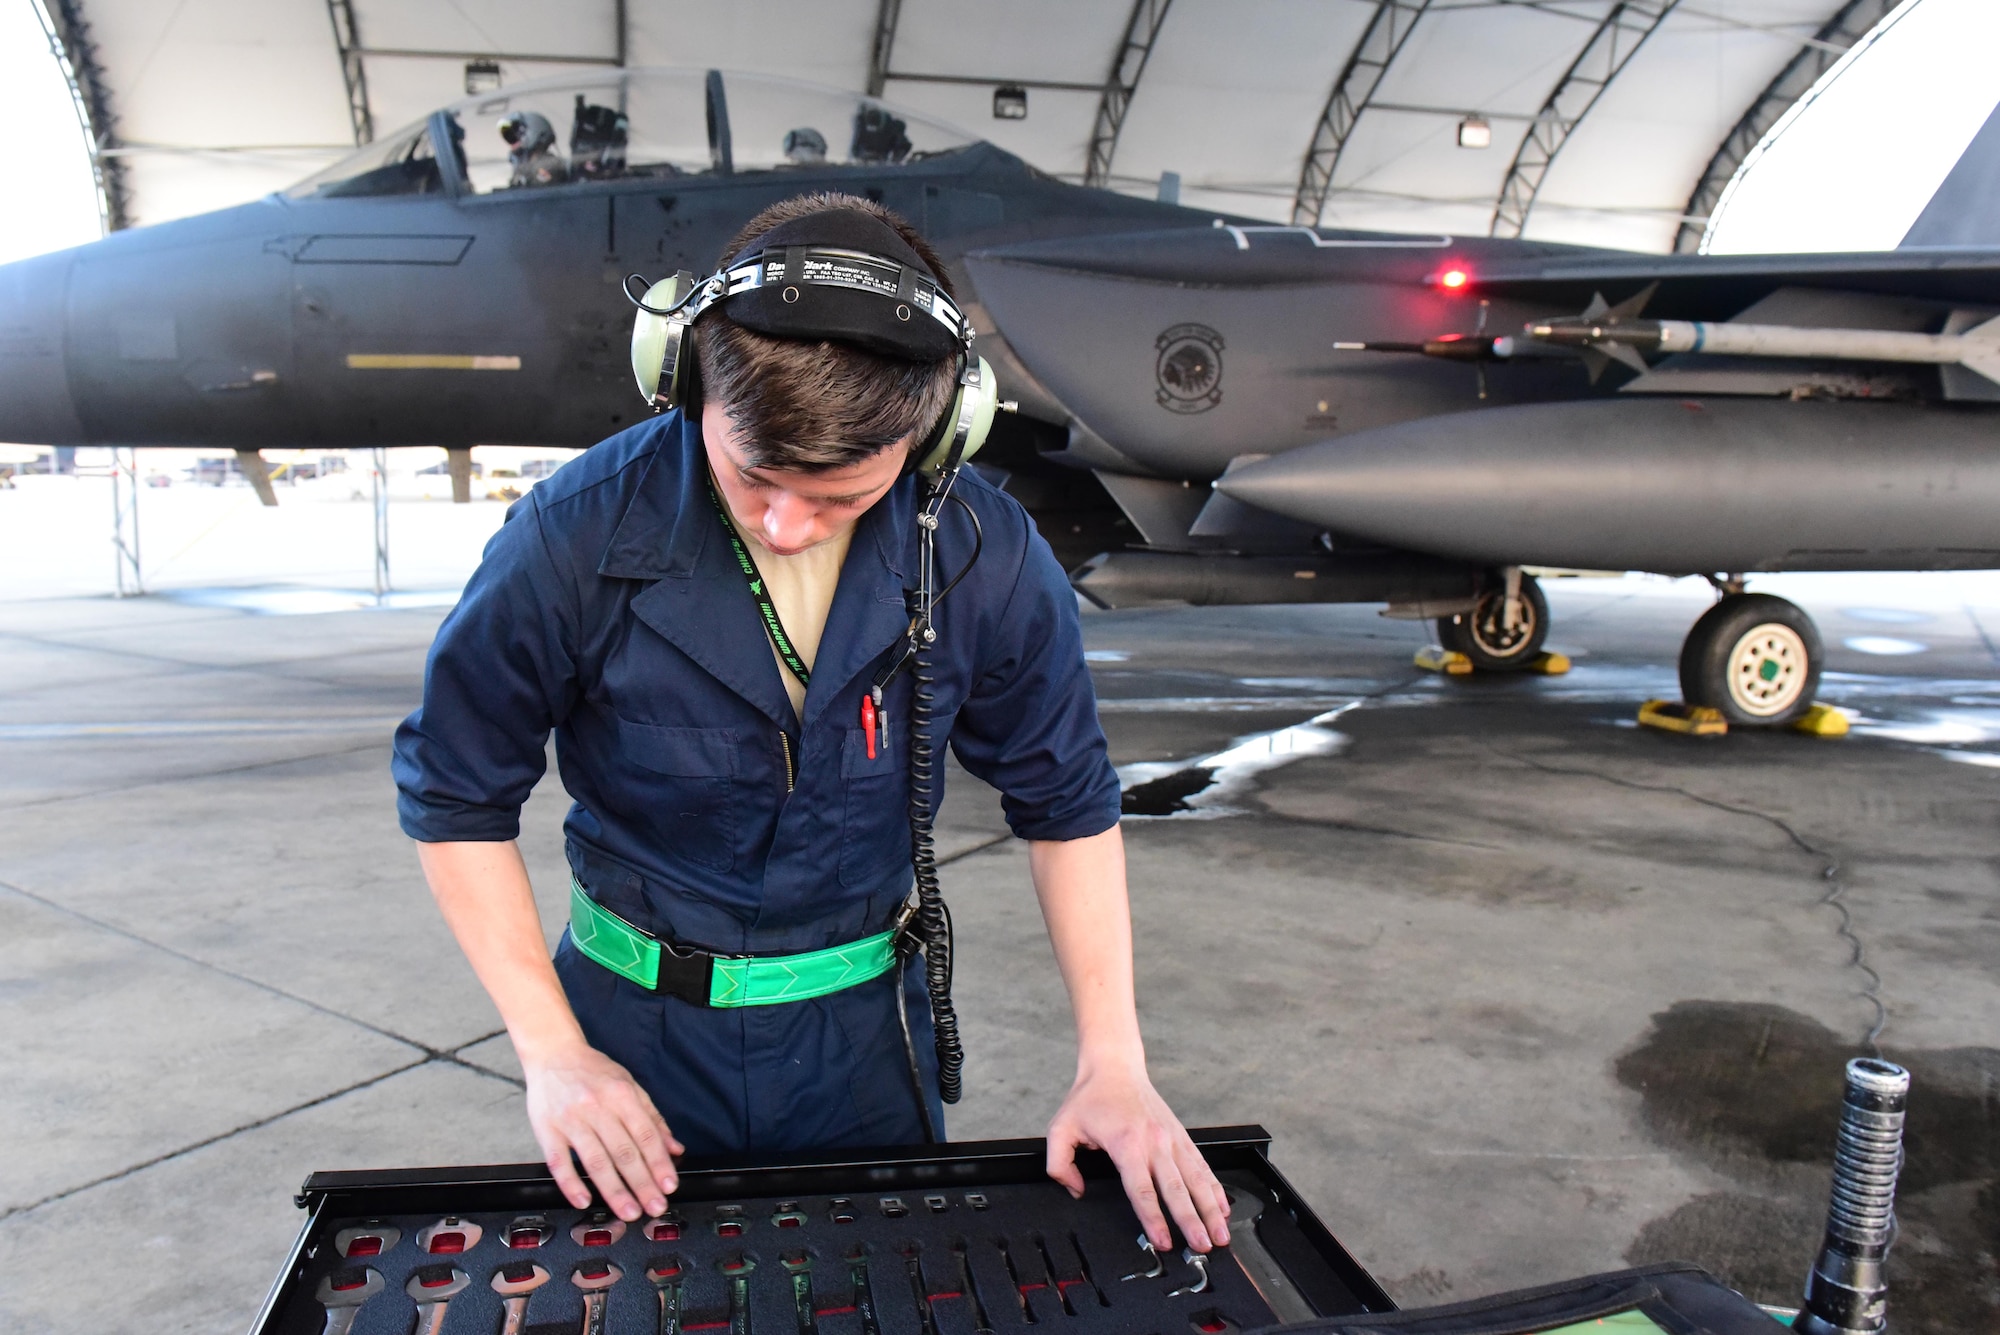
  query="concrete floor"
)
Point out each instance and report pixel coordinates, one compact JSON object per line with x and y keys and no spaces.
{"x":1522,"y":991}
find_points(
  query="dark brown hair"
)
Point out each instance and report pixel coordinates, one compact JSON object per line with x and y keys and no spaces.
{"x":814,"y":406}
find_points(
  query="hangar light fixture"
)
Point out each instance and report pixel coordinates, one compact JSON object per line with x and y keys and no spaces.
{"x":481,"y":76}
{"x":1475,"y":132}
{"x":1010,"y":102}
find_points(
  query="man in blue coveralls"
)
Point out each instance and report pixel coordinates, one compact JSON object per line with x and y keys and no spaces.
{"x":737,"y":810}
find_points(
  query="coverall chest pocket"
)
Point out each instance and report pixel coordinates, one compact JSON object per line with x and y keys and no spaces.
{"x":684,"y":781}
{"x":875,"y":829}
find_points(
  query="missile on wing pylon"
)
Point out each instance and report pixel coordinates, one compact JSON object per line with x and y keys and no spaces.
{"x":1977,"y":349}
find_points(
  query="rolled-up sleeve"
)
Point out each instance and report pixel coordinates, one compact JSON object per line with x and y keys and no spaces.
{"x":1029,"y":724}
{"x":501,"y":675}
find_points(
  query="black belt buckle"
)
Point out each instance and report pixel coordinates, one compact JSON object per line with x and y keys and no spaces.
{"x":685,"y":972}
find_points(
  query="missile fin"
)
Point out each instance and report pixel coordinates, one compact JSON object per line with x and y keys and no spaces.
{"x":1629,"y":308}
{"x":1981,"y":349}
{"x":1626,"y":354}
{"x":1596,"y":307}
{"x":1594,"y":362}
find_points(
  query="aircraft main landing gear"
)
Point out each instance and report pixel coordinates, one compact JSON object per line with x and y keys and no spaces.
{"x":1754,"y":659}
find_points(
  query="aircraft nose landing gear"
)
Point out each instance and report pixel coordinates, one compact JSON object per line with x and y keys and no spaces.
{"x":1753,"y":658}
{"x":1497,"y":636}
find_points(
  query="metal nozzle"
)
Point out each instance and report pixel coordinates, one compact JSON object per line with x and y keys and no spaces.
{"x":1846,"y":1293}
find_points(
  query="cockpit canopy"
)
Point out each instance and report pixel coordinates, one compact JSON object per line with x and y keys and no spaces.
{"x":638,"y":123}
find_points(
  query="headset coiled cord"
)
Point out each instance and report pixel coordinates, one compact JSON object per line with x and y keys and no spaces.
{"x":931,"y":927}
{"x":933,"y":920}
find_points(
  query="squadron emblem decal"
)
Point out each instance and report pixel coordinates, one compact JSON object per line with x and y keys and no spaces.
{"x":1189,"y":368}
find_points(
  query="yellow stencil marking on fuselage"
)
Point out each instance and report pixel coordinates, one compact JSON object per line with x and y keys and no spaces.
{"x":428,"y":361}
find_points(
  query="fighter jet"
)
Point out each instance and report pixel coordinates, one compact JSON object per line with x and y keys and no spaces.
{"x":458,"y":282}
{"x":1293,"y":414}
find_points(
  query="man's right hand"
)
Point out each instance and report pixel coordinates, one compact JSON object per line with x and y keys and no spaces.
{"x":581,"y":1100}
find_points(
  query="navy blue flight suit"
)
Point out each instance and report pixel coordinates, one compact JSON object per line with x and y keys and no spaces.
{"x":609,"y":609}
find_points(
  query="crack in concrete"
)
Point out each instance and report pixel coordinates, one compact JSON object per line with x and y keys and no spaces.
{"x":429,"y":1053}
{"x":1830,"y":872}
{"x":1386,"y":831}
{"x":215,"y":1139}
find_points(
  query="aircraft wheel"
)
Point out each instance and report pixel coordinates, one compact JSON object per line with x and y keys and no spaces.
{"x":1754,"y":657}
{"x":1483,"y":635}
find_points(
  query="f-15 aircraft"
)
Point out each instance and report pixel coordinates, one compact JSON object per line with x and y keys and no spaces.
{"x":1423,"y":420}
{"x":1377,"y":419}
{"x":458,"y":282}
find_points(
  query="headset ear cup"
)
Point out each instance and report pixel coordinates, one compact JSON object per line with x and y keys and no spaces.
{"x":971,"y":409}
{"x":660,"y":346}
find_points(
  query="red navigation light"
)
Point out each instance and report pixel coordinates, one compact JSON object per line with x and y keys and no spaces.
{"x":1454,"y":278}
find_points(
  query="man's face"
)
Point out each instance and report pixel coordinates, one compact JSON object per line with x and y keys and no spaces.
{"x":788,"y":510}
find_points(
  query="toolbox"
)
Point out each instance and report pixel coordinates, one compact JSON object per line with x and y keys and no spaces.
{"x":968,"y":1238}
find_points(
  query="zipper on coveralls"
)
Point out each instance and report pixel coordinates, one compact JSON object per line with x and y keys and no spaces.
{"x":785,"y":745}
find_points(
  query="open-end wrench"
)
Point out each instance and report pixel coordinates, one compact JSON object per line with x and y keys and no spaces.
{"x":594,"y":1275}
{"x":1020,"y":1289}
{"x":342,"y":1294}
{"x":737,"y":1270}
{"x":369,"y":1238}
{"x":667,"y":1273}
{"x":864,"y":1291}
{"x":431,"y":1288}
{"x":449,"y":1236}
{"x":1055,"y":1279}
{"x":913,"y":1262}
{"x":968,"y":1283}
{"x":799,"y":1266}
{"x":527,"y":1233}
{"x":1279,"y":1293}
{"x":599,"y":1228}
{"x":663,"y":1228}
{"x":514,"y":1282}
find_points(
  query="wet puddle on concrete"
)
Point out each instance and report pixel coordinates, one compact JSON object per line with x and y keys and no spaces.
{"x":1202,"y":788}
{"x":1752,"y":1091}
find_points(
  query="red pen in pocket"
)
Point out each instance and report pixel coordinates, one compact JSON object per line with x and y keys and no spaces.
{"x":868,"y":722}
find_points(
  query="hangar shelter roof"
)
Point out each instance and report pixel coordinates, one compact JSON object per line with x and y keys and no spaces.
{"x":1607,"y":122}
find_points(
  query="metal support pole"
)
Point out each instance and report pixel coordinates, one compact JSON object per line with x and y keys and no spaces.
{"x":378,"y":473}
{"x":125,"y":521}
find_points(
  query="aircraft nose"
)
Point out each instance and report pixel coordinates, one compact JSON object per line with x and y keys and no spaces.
{"x":35,"y":403}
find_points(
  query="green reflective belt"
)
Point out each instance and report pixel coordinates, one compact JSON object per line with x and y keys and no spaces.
{"x":706,"y":979}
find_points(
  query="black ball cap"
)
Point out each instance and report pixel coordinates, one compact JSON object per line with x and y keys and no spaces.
{"x":876,"y":321}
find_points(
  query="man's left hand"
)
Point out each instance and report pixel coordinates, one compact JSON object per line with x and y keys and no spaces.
{"x":1121,"y":1113}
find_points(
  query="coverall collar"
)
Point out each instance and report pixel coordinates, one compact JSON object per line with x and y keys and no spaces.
{"x":671,"y":535}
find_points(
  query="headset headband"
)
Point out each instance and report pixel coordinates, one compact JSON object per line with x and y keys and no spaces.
{"x":792,"y":270}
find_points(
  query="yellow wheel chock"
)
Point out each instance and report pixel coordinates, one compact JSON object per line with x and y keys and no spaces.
{"x":1822,"y":721}
{"x":1689,"y":720}
{"x":1434,"y":658}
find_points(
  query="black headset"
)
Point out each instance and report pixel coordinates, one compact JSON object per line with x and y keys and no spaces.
{"x":822,"y":293}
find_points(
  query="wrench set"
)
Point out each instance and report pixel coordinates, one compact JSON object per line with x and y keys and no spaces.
{"x":955,"y":1239}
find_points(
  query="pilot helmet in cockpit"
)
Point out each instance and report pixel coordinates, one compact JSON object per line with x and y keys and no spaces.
{"x":531,"y":149}
{"x":805,"y":147}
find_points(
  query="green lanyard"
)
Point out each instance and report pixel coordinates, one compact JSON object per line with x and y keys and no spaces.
{"x":765,"y":607}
